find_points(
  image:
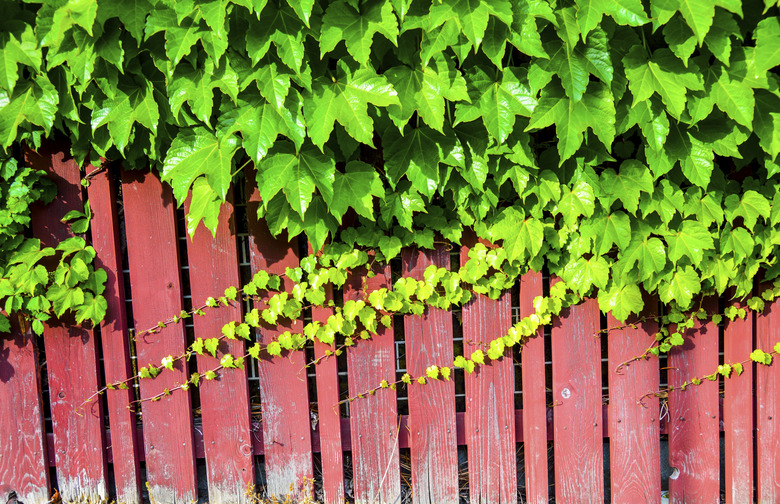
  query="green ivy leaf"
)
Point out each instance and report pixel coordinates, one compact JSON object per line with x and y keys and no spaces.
{"x":297,"y":174}
{"x":357,"y":28}
{"x":766,"y":34}
{"x":596,"y":111}
{"x":356,"y":188}
{"x":691,"y":240}
{"x":681,"y":287}
{"x":345,"y":98}
{"x":471,"y":15}
{"x":498,"y":102}
{"x":621,"y":300}
{"x":196,"y":152}
{"x":663,"y":74}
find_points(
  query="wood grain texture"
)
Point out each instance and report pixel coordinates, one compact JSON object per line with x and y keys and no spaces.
{"x":374,"y":422}
{"x":71,"y":350}
{"x":534,"y":431}
{"x":283,"y":386}
{"x":577,"y":416}
{"x":738,"y":411}
{"x":432,"y":406}
{"x":634,"y":438}
{"x":213,"y":267}
{"x":694,"y":424}
{"x":328,"y":414}
{"x":23,"y":457}
{"x":490,"y":402}
{"x":155,"y":282}
{"x":768,"y":407}
{"x":125,"y":448}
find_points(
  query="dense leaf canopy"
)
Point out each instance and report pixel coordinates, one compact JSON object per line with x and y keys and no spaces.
{"x":624,"y":144}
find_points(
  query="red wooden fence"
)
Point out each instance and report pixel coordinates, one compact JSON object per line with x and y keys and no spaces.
{"x":508,"y":449}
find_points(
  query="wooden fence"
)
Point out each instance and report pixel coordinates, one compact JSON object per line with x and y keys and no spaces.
{"x":560,"y":379}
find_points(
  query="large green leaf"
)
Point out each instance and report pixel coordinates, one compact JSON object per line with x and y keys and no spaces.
{"x":356,"y":188}
{"x":357,"y":28}
{"x":196,"y":87}
{"x":471,"y":15}
{"x":683,"y":284}
{"x":627,"y":184}
{"x":196,"y":152}
{"x":282,"y":27}
{"x":767,"y":35}
{"x":582,"y":274}
{"x":33,"y":102}
{"x":596,"y":111}
{"x":297,"y":174}
{"x":124,"y":110}
{"x":691,"y":239}
{"x":522,"y":235}
{"x":625,"y":12}
{"x":345,"y":97}
{"x":621,"y":299}
{"x":663,"y":74}
{"x":423,"y":90}
{"x":15,"y":49}
{"x":498,"y":102}
{"x":416,"y":155}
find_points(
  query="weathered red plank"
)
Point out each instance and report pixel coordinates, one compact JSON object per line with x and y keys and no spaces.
{"x":71,"y":352}
{"x":374,"y":421}
{"x":577,"y":417}
{"x":534,"y":398}
{"x":155,"y":283}
{"x":23,"y":467}
{"x":768,"y":407}
{"x":283,"y":386}
{"x":213,"y":267}
{"x":694,"y":424}
{"x":432,"y":406}
{"x":738,"y":411}
{"x":114,"y":337}
{"x":490,"y":403}
{"x":634,"y":438}
{"x":328,"y":415}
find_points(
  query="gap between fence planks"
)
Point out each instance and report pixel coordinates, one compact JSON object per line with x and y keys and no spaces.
{"x":224,"y":401}
{"x":71,"y":351}
{"x":155,"y":283}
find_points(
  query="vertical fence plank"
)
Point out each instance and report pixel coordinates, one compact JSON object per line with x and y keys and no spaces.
{"x":374,"y":421}
{"x":694,"y":425}
{"x":328,"y":414}
{"x":634,"y":440}
{"x":213,"y":267}
{"x":71,"y":352}
{"x":283,"y":386}
{"x":155,"y":283}
{"x":23,"y":462}
{"x":490,"y":402}
{"x":768,"y":407}
{"x":577,"y":415}
{"x":114,"y":337}
{"x":738,"y":411}
{"x":534,"y":397}
{"x":432,"y":406}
